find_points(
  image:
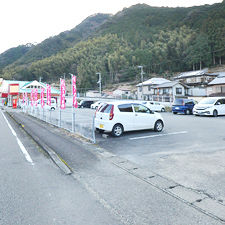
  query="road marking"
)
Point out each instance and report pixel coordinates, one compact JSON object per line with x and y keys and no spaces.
{"x":158,"y":135}
{"x":23,"y":149}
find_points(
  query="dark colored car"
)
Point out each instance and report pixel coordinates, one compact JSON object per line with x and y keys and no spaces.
{"x":85,"y":104}
{"x":183,"y":106}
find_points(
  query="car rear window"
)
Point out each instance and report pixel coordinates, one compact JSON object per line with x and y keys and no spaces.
{"x":105,"y":108}
{"x":178,"y":102}
{"x":125,"y":108}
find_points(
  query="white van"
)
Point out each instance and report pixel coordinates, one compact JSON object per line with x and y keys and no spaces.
{"x":53,"y":104}
{"x":211,"y":106}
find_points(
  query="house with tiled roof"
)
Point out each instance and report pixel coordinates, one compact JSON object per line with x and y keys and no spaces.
{"x":217,"y":86}
{"x":197,"y":80}
{"x":145,"y":90}
{"x":168,"y":91}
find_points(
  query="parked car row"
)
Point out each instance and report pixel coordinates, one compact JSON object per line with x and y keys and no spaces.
{"x":211,"y":106}
{"x":120,"y":116}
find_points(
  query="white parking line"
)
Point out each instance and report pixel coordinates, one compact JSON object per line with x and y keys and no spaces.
{"x":158,"y":135}
{"x":23,"y":149}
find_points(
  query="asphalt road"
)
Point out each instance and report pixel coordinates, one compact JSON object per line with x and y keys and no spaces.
{"x":33,"y":190}
{"x":146,"y":179}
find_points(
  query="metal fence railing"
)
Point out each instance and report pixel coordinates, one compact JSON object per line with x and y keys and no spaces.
{"x":78,"y":123}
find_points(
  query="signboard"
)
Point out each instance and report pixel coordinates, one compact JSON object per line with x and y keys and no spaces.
{"x":63,"y":94}
{"x":13,"y":89}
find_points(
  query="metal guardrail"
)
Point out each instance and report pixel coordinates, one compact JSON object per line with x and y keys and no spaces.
{"x":78,"y":123}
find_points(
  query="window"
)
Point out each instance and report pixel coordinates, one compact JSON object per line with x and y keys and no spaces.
{"x":141,"y":109}
{"x":165,"y":91}
{"x":140,"y":89}
{"x":106,"y":108}
{"x":178,"y":91}
{"x":218,"y":89}
{"x":149,"y":88}
{"x":125,"y":108}
{"x":223,"y":89}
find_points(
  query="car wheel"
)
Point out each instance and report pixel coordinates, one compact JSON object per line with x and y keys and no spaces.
{"x":158,"y":126}
{"x":117,"y":130}
{"x":82,"y":107}
{"x":215,"y":113}
{"x":174,"y":112}
{"x":163,"y":110}
{"x":187,"y":112}
{"x":52,"y":108}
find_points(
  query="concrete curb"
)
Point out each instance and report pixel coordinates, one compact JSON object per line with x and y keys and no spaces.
{"x":55,"y":158}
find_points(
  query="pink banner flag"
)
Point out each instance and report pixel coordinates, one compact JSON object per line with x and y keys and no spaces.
{"x":32,"y":97}
{"x":36,"y":97}
{"x":48,"y":95}
{"x":74,"y":79}
{"x":63,"y":94}
{"x":25,"y":98}
{"x":42,"y":98}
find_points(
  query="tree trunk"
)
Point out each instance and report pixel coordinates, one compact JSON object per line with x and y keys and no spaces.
{"x":214,"y":59}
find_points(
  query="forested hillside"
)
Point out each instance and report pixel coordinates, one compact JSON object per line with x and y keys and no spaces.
{"x":163,"y":40}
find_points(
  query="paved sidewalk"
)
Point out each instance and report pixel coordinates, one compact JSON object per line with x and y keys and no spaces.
{"x":133,"y":193}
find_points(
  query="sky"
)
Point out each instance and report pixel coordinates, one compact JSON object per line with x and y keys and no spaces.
{"x":32,"y":21}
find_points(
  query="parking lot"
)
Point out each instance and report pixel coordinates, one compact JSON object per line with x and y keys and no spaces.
{"x":190,"y":150}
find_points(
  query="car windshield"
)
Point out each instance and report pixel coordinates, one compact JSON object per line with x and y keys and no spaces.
{"x":207,"y":101}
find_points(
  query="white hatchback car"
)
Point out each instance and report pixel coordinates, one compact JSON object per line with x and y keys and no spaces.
{"x":117,"y":117}
{"x":211,"y":106}
{"x":154,"y":106}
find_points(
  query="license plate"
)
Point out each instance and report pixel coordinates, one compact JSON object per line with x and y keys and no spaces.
{"x":177,"y":108}
{"x":101,"y":126}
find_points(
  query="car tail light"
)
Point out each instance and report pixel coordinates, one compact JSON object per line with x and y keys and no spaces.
{"x":183,"y":103}
{"x":111,"y":115}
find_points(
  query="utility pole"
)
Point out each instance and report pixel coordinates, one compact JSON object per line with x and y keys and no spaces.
{"x":142,"y":73}
{"x":99,"y":82}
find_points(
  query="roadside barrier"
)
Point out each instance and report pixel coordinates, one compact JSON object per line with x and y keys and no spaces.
{"x":77,"y":123}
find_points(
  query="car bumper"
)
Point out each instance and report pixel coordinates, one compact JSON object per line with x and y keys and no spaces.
{"x":103,"y":126}
{"x":202,"y":112}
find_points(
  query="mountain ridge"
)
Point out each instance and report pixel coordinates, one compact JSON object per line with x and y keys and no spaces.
{"x":165,"y":40}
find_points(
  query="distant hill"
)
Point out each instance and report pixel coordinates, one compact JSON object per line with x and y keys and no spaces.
{"x":13,"y":54}
{"x":164,"y":40}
